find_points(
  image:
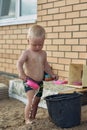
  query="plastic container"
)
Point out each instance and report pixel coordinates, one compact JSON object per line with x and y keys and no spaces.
{"x":32,"y":84}
{"x":65,"y":109}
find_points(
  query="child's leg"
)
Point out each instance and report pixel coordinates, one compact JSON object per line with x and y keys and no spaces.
{"x":36,"y":101}
{"x":30,"y":95}
{"x":34,"y":107}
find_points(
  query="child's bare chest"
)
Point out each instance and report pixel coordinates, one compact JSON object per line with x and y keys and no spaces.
{"x":36,"y":58}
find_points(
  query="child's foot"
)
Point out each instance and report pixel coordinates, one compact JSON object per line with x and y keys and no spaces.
{"x":28,"y":122}
{"x":33,"y":120}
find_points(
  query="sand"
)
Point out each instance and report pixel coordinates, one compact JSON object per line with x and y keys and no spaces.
{"x":12,"y":118}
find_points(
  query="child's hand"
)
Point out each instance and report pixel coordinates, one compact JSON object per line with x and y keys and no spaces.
{"x":55,"y":77}
{"x":23,"y":77}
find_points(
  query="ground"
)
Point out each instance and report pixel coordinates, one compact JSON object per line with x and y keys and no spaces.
{"x":12,"y":118}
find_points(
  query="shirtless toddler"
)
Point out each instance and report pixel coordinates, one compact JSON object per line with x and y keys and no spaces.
{"x":31,"y":66}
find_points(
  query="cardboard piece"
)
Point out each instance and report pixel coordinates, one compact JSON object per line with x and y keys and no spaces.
{"x":75,"y":73}
{"x":84,"y":77}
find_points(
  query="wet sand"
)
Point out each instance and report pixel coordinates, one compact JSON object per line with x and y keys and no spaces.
{"x":12,"y":118}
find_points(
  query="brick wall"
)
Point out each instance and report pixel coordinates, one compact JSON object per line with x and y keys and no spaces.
{"x":65,"y":22}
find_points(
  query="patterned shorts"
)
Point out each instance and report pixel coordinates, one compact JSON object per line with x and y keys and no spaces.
{"x":28,"y":88}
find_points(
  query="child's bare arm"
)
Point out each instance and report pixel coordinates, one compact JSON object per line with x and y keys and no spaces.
{"x":20,"y":64}
{"x":49,"y":71}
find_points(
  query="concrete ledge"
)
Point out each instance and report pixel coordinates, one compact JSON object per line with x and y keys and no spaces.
{"x":16,"y":90}
{"x":3,"y":91}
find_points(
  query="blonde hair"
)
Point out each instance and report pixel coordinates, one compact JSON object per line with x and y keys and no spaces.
{"x":36,"y":31}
